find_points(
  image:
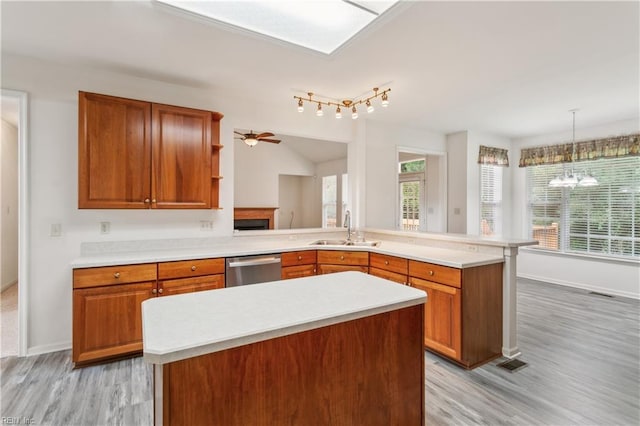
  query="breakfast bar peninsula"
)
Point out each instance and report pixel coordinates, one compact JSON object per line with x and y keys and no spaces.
{"x":344,"y":349}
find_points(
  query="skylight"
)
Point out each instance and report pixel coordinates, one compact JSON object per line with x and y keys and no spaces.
{"x":321,"y":25}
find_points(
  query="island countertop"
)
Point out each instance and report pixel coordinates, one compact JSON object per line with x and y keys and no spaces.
{"x":189,"y":325}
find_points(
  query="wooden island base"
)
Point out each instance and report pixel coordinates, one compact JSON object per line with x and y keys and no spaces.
{"x":368,"y":371}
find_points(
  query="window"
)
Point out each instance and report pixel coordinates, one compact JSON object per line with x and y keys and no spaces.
{"x":412,"y":195}
{"x":329,"y":201}
{"x":601,"y":220}
{"x":490,"y":200}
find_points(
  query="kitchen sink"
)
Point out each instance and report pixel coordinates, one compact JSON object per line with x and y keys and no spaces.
{"x":329,"y":243}
{"x":363,"y":243}
{"x":346,"y":243}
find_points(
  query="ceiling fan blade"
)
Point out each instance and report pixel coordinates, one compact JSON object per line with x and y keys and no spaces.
{"x":269,"y":140}
{"x":264,"y":135}
{"x":238,"y":133}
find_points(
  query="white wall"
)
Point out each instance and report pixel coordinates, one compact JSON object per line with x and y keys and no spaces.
{"x":381,"y":183}
{"x":257,"y":170}
{"x":457,"y":182}
{"x":9,"y":206}
{"x":291,"y":204}
{"x":53,"y":146}
{"x":602,"y":275}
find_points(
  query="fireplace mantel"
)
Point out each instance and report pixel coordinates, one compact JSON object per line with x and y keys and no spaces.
{"x":244,"y":213}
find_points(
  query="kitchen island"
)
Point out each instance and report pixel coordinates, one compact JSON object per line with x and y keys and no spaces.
{"x":344,"y":349}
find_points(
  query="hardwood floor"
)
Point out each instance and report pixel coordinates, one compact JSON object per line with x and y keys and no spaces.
{"x":582,"y":350}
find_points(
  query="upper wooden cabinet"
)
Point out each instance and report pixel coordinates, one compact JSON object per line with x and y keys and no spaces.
{"x":138,"y":155}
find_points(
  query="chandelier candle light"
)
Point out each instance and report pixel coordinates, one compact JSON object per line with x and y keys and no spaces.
{"x":571,"y":179}
{"x":347,"y":103}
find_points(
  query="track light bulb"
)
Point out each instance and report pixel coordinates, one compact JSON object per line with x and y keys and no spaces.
{"x":338,"y":113}
{"x":385,"y":100}
{"x":354,"y":112}
{"x":319,"y":112}
{"x":370,"y":107}
{"x":300,"y":106}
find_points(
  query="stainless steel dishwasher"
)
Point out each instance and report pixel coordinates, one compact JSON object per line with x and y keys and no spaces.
{"x":252,"y":269}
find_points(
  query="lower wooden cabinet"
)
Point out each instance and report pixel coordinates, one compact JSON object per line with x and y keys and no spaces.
{"x":331,"y":261}
{"x":107,"y":302}
{"x":463,"y":313}
{"x":392,"y":268}
{"x":297,"y":264}
{"x":107,"y":321}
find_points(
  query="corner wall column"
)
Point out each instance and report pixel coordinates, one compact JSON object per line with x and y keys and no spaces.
{"x":509,"y":304}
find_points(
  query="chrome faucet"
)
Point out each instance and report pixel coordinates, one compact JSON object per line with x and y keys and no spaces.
{"x":347,"y":224}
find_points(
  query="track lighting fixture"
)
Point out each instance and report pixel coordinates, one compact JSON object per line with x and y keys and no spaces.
{"x":347,"y":103}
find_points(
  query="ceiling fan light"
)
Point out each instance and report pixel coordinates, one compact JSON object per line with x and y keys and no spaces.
{"x":370,"y":107}
{"x":571,"y":181}
{"x":251,"y":141}
{"x":354,"y":112}
{"x":338,"y":113}
{"x":385,"y":100}
{"x":300,"y":106}
{"x":319,"y":112}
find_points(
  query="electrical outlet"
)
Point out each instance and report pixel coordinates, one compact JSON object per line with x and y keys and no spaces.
{"x":472,"y":247}
{"x":206,"y":225}
{"x":56,"y":230}
{"x":105,"y":227}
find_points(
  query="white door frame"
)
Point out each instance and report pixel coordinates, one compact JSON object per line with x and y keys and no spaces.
{"x":23,"y":216}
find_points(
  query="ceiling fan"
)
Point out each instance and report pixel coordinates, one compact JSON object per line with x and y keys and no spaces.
{"x":252,"y":139}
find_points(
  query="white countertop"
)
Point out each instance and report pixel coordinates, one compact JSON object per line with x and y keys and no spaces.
{"x":243,"y":246}
{"x":193,"y":324}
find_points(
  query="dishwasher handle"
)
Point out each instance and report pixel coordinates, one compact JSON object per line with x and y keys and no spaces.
{"x":254,"y":262}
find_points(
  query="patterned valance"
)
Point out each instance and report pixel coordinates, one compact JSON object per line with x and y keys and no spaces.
{"x":493,"y":156}
{"x":617,"y":146}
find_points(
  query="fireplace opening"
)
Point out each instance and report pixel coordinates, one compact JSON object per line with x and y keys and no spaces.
{"x":250,"y":224}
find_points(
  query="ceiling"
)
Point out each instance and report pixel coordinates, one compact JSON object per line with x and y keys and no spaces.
{"x":509,"y":68}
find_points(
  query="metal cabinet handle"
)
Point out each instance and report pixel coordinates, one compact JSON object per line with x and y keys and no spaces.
{"x":341,"y":257}
{"x":146,"y":200}
{"x":116,"y":275}
{"x":386,"y":262}
{"x":431,"y":273}
{"x":153,"y":201}
{"x":160,"y":290}
{"x":193,"y":268}
{"x":154,"y":291}
{"x":299,"y":257}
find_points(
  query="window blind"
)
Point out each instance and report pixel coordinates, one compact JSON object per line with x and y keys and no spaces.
{"x":600,"y":220}
{"x":490,"y":200}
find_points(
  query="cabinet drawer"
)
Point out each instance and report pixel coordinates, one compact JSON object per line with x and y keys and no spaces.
{"x":190,"y":268}
{"x":340,"y":257}
{"x":389,"y":263}
{"x":294,"y":258}
{"x":389,"y":275}
{"x":298,"y":271}
{"x":190,"y":285}
{"x":112,"y":275}
{"x":436,"y":273}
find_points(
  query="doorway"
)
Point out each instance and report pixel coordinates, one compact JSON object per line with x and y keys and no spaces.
{"x":13,"y":229}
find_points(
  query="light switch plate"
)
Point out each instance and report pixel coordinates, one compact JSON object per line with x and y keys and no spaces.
{"x":56,"y":230}
{"x":105,"y":227}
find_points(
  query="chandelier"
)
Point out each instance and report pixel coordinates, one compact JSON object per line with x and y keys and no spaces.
{"x":348,"y":104}
{"x":570,"y":179}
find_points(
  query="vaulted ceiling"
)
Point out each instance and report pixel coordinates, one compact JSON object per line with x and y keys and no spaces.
{"x":510,"y":68}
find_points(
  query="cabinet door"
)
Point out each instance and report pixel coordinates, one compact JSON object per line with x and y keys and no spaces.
{"x":114,"y":152}
{"x":294,"y":258}
{"x":298,"y":271}
{"x":330,"y":269}
{"x":107,"y":321}
{"x":181,"y":167}
{"x":442,"y":317}
{"x":190,"y":285}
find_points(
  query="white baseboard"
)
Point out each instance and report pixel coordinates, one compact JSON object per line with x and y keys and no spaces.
{"x":604,"y":290}
{"x":45,"y":349}
{"x":7,"y":285}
